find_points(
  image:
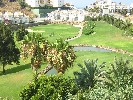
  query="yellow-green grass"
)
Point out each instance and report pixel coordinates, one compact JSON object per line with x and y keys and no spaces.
{"x":15,"y":78}
{"x":59,"y":30}
{"x":107,"y":57}
{"x":18,"y":76}
{"x":106,"y":35}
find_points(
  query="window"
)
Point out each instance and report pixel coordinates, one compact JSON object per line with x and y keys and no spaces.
{"x":42,"y":1}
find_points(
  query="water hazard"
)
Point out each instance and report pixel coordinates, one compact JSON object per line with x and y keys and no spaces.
{"x":89,"y":48}
{"x":53,"y":71}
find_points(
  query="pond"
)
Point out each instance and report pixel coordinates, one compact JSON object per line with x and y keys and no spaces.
{"x":53,"y":71}
{"x":90,"y":48}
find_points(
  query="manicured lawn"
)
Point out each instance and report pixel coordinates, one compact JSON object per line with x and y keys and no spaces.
{"x":106,"y":35}
{"x":56,"y":31}
{"x":15,"y":78}
{"x":107,"y":57}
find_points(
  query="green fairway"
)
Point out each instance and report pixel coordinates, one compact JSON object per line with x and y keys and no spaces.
{"x":107,"y":57}
{"x":56,"y":31}
{"x":106,"y":35}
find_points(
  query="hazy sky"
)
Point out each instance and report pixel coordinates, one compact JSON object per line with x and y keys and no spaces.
{"x":84,"y":3}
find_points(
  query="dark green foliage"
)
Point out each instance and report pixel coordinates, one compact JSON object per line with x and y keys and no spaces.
{"x":129,"y":31}
{"x":101,"y":92}
{"x":95,"y":9}
{"x":117,"y":22}
{"x":8,"y":51}
{"x":122,"y":11}
{"x":120,"y":74}
{"x":49,"y":88}
{"x":21,"y":32}
{"x":89,"y":28}
{"x":117,"y":84}
{"x":88,"y":18}
{"x":89,"y":74}
{"x":93,"y":83}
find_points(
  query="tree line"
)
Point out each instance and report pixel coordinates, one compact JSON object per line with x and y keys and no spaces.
{"x":126,"y":25}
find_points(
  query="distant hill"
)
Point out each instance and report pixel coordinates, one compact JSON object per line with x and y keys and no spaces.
{"x":15,"y":6}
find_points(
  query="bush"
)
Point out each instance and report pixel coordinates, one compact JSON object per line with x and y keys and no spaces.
{"x":117,"y":84}
{"x":100,"y":92}
{"x":89,"y":28}
{"x":89,"y":75}
{"x":21,"y":32}
{"x":49,"y":88}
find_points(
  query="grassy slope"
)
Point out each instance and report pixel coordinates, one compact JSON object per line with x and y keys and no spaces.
{"x":59,"y":30}
{"x":106,"y":35}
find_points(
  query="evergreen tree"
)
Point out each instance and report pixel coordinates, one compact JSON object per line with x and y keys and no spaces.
{"x":8,"y":51}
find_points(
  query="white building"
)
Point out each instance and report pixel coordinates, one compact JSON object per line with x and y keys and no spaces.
{"x":109,"y":7}
{"x":8,"y":16}
{"x":131,"y":5}
{"x":15,"y":18}
{"x":58,"y":3}
{"x":42,"y":3}
{"x":36,"y":3}
{"x":67,"y":15}
{"x":20,"y":18}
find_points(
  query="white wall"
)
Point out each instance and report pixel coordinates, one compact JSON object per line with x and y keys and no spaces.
{"x":58,"y":3}
{"x":32,"y":3}
{"x":37,"y":3}
{"x":109,"y":2}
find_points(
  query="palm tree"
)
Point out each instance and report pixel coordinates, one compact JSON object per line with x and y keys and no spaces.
{"x":90,"y":74}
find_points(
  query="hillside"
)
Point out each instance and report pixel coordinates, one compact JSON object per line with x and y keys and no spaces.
{"x":14,"y":6}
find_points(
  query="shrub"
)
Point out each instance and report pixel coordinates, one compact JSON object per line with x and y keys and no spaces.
{"x":89,"y":28}
{"x":117,"y":84}
{"x":49,"y":88}
{"x":21,"y":32}
{"x":89,"y":75}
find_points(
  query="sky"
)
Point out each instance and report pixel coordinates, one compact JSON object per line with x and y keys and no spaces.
{"x":84,"y":3}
